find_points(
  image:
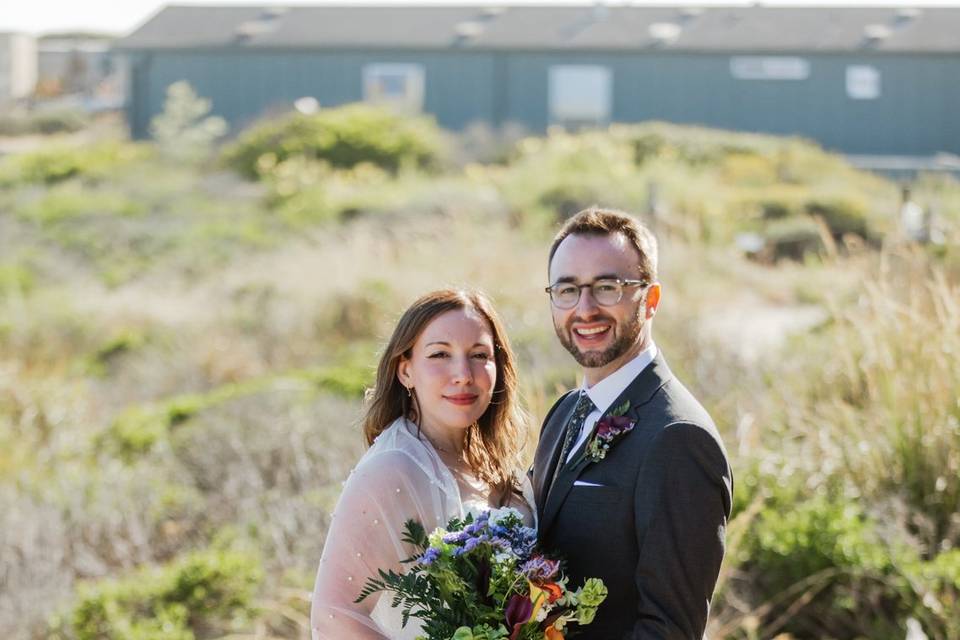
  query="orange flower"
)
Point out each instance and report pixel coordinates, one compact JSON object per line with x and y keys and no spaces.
{"x":554,"y":591}
{"x":551,"y":633}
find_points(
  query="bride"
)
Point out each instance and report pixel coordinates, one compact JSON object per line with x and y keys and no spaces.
{"x":445,"y":435}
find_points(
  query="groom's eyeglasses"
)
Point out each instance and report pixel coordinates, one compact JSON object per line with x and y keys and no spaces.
{"x":606,"y":291}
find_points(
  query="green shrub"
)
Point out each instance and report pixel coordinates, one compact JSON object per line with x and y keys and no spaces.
{"x":69,"y":201}
{"x":553,"y":177}
{"x":16,"y":279}
{"x":793,"y":238}
{"x":57,"y":163}
{"x":193,"y":596}
{"x":774,"y":202}
{"x":938,"y":585}
{"x":350,"y":380}
{"x":137,"y":430}
{"x":140,"y":428}
{"x":822,"y":560}
{"x":108,"y":353}
{"x":343,"y":137}
{"x":304,"y":192}
{"x":567,"y":199}
{"x":43,"y":122}
{"x":842,"y":215}
{"x":694,"y":146}
{"x":795,"y":541}
{"x":748,"y":169}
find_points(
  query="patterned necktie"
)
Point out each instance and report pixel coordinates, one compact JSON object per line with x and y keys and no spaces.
{"x":574,"y":426}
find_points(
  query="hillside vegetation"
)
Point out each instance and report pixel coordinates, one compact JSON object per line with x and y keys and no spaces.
{"x":186,"y":331}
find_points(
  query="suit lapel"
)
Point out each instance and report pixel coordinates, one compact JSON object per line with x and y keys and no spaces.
{"x":553,"y":437}
{"x":640,"y":391}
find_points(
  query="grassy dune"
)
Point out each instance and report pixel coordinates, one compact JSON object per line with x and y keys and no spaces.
{"x":184,"y":345}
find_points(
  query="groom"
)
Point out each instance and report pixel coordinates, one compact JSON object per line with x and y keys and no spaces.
{"x":631,"y":479}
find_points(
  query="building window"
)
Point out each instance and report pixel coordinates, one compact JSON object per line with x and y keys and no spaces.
{"x":863,"y":82}
{"x":395,"y":85}
{"x":769,"y":68}
{"x":580,"y":95}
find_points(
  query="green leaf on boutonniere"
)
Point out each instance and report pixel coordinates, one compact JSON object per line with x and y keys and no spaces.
{"x":622,"y":409}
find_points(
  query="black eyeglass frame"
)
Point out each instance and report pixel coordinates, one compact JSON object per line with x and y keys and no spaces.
{"x":622,"y":282}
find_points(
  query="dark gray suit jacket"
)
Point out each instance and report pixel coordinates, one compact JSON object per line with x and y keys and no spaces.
{"x":653,"y":529}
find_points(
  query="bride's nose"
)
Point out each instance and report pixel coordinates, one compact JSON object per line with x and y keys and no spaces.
{"x":462,"y":373}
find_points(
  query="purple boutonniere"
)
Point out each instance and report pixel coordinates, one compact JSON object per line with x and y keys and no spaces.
{"x":610,"y":428}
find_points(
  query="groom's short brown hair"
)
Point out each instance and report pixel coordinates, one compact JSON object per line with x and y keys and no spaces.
{"x":595,"y":221}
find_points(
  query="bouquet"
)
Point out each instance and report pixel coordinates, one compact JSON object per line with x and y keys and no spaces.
{"x":482,"y":579}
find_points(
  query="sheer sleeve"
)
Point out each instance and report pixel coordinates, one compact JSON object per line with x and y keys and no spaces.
{"x":385,"y":490}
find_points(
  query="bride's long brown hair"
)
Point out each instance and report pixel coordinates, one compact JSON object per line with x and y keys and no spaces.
{"x":494,"y":443}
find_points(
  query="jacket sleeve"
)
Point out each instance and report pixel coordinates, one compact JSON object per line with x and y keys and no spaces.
{"x":682,"y":503}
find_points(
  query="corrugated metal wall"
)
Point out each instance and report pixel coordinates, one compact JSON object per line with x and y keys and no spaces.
{"x":916,"y":112}
{"x":244,"y":86}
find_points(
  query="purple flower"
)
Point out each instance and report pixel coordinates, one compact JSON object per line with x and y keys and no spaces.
{"x":472,"y":543}
{"x":429,"y":556}
{"x":611,"y":426}
{"x":519,"y":610}
{"x":540,"y":569}
{"x":456,"y":537}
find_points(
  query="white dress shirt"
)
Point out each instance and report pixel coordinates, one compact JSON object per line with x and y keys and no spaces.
{"x":604,"y":393}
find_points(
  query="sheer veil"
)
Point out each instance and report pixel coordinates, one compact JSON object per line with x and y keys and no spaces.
{"x":400,"y":477}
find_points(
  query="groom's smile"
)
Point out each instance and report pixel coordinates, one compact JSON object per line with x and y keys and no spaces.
{"x":593,"y":335}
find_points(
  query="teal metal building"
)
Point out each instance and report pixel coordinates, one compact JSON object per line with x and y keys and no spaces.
{"x":882,"y":81}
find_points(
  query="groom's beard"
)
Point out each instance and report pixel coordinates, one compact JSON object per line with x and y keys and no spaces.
{"x":628,"y":335}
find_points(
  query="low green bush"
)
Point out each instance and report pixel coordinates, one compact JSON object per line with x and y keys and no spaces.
{"x":551,"y":178}
{"x":304,"y":192}
{"x":70,"y":201}
{"x":792,"y":238}
{"x":137,"y":430}
{"x":822,"y":560}
{"x":43,"y":122}
{"x":842,"y":215}
{"x":16,"y":279}
{"x":112,"y":350}
{"x":694,"y":146}
{"x":202,"y":594}
{"x":56,"y":163}
{"x":343,"y":137}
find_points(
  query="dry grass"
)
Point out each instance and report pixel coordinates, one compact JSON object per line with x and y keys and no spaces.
{"x":840,"y":370}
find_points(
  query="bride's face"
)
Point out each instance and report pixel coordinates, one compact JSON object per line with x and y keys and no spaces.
{"x":452,"y":370}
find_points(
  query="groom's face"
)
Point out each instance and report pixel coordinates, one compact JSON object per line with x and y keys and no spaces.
{"x":599,"y":336}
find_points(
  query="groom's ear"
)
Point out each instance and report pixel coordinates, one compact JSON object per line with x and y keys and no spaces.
{"x":653,"y":300}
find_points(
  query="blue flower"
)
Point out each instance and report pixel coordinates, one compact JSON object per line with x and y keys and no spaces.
{"x":456,"y":537}
{"x":430,"y":556}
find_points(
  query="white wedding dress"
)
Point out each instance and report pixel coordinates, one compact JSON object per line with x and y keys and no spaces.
{"x":400,"y":477}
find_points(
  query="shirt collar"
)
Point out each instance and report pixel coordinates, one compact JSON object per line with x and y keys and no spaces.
{"x":604,"y":393}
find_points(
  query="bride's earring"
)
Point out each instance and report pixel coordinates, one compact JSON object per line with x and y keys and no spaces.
{"x":409,"y":392}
